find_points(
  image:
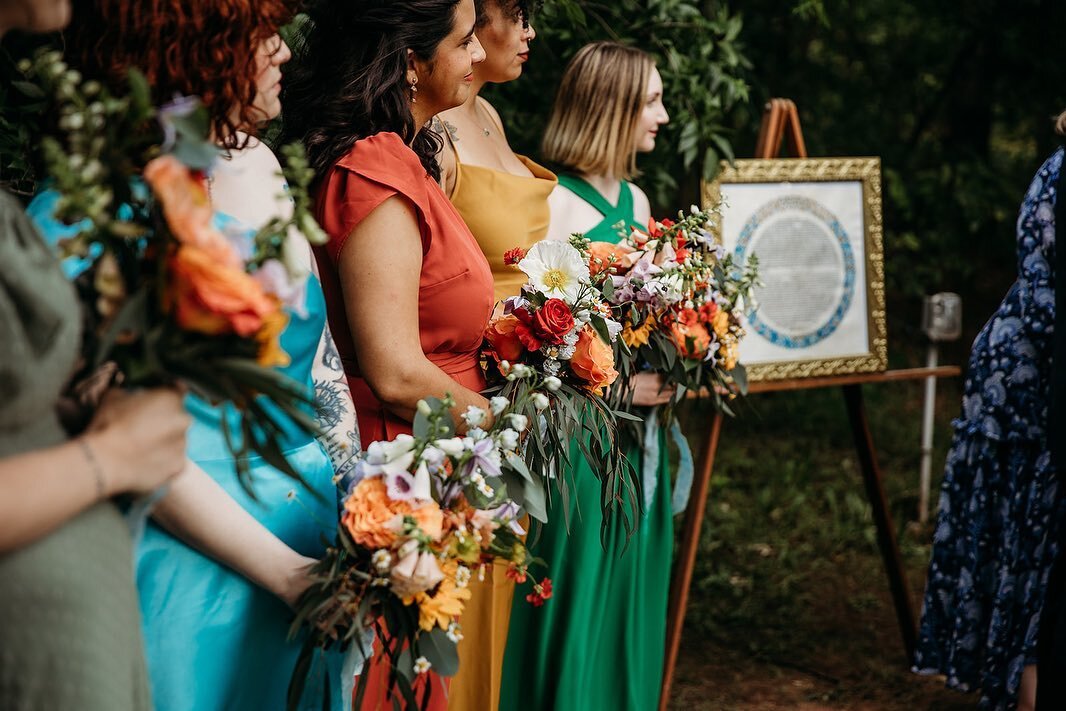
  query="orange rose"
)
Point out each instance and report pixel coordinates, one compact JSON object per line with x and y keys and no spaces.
{"x":376,"y":521}
{"x":604,"y":256}
{"x":692,"y":340}
{"x":369,"y":510}
{"x":430,"y":519}
{"x":209,"y":296}
{"x":501,"y":335}
{"x":593,"y":361}
{"x":187,"y":208}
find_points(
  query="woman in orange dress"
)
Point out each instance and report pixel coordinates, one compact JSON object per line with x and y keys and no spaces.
{"x":408,"y":290}
{"x":503,"y":198}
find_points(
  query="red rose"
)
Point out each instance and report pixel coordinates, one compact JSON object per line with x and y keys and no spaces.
{"x":527,"y":337}
{"x":681,"y":255}
{"x":525,"y":330}
{"x":553,"y":321}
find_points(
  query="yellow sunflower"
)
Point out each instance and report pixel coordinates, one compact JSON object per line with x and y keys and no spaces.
{"x":442,"y":607}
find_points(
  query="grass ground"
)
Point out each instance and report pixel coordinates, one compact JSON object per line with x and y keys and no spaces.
{"x":790,"y":606}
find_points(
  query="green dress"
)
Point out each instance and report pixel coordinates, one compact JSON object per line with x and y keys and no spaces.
{"x":69,"y":623}
{"x":597,"y":644}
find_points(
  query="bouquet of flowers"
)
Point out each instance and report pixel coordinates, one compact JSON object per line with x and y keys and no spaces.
{"x":551,"y":347}
{"x":425,"y":513}
{"x":679,"y":297}
{"x":172,"y":293}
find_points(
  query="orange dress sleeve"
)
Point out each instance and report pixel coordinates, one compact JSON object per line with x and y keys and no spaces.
{"x":376,"y":169}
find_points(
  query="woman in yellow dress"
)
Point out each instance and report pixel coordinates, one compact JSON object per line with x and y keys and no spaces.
{"x":503,"y":198}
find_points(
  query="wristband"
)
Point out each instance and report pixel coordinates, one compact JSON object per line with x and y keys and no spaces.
{"x":94,"y":465}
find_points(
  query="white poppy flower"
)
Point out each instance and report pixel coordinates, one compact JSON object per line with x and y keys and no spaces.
{"x":556,"y":269}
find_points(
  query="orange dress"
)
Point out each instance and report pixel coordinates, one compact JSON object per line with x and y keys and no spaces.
{"x":454,"y":298}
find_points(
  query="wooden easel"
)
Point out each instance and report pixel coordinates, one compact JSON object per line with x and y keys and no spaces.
{"x":781,"y":121}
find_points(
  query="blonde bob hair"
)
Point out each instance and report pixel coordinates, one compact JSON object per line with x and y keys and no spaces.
{"x":1060,"y":124}
{"x":593,"y":123}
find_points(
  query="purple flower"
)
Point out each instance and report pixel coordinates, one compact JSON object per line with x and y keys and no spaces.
{"x":484,"y":457}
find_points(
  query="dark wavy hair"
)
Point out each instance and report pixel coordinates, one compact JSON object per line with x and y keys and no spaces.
{"x":349,"y":75}
{"x":512,"y":9}
{"x":205,"y":48}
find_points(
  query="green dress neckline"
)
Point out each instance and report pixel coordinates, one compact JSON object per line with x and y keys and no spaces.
{"x":606,"y":229}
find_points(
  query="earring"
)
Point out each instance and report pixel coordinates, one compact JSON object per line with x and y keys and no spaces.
{"x":414,"y":92}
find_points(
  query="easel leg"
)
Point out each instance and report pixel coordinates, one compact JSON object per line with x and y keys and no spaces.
{"x":886,"y":534}
{"x":686,"y":558}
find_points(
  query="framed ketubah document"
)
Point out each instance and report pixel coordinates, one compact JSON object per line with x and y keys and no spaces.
{"x":815,"y":226}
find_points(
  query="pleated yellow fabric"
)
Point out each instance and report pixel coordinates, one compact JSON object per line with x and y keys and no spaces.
{"x":503,"y":211}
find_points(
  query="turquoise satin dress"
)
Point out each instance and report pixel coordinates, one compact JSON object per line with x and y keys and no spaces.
{"x":214,"y":640}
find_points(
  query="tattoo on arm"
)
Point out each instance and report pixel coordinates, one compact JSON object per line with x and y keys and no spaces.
{"x":453,"y":132}
{"x":331,"y":358}
{"x":334,"y":409}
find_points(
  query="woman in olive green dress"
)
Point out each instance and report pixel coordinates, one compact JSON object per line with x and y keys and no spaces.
{"x":597,"y":645}
{"x":69,"y":623}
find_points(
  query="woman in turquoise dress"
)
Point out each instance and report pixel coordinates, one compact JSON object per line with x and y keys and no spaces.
{"x":216,"y":568}
{"x":597,"y":645}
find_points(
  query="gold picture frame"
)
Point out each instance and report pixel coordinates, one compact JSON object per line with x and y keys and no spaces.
{"x":817,"y":182}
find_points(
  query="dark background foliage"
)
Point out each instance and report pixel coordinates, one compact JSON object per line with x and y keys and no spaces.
{"x":956,"y":98}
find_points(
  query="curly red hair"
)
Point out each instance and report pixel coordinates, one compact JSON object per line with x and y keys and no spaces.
{"x":206,"y":48}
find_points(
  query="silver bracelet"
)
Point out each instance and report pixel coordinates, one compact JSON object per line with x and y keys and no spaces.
{"x":94,"y":465}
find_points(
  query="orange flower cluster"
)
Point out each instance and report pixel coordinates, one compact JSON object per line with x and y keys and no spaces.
{"x":689,"y":333}
{"x":607,"y":257}
{"x":209,"y":290}
{"x":376,"y":521}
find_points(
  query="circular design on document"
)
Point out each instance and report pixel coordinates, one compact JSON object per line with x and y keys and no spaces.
{"x":807,"y":270}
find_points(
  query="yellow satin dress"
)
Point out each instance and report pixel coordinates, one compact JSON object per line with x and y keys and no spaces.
{"x":503,"y":211}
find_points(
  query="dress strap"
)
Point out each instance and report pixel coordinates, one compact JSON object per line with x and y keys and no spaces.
{"x":585,"y":191}
{"x":606,"y":230}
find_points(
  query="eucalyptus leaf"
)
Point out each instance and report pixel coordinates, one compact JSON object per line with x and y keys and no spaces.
{"x":439,"y":651}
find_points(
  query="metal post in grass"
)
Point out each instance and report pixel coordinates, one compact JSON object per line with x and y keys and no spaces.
{"x":941,"y":322}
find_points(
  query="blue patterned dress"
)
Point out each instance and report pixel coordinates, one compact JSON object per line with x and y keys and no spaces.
{"x":1000,"y":512}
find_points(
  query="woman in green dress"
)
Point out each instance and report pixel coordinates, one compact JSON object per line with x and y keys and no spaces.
{"x":69,"y":623}
{"x":598,"y":643}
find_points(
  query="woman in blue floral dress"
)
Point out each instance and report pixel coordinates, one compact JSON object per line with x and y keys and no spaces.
{"x":1000,"y":513}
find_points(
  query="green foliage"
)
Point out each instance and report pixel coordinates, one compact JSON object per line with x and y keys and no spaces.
{"x":956,"y":100}
{"x":702,"y":63}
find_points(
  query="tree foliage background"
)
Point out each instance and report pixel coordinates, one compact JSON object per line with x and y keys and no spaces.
{"x":956,"y":98}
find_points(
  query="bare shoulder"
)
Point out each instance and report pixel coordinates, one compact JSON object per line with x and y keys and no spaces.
{"x":492,"y":112}
{"x":569,"y":214}
{"x":641,"y":204}
{"x":249,"y":186}
{"x":256,"y":155}
{"x":443,"y":125}
{"x":446,"y":157}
